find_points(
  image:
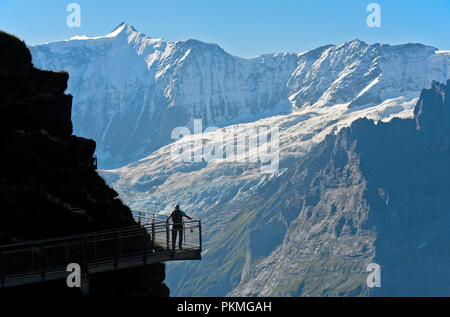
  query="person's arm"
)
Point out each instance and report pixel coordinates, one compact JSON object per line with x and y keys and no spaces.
{"x":184,"y":214}
{"x":167,"y":220}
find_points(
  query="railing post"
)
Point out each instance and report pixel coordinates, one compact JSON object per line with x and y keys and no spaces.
{"x":153,"y":232}
{"x":84,"y":258}
{"x":66,"y":252}
{"x":144,"y":231}
{"x":117,"y":251}
{"x":43,"y":260}
{"x":167,"y":235}
{"x":2,"y":266}
{"x":32,"y":257}
{"x":85,"y":285}
{"x":184,"y":231}
{"x":200,"y":234}
{"x":119,"y":246}
{"x":95,"y":248}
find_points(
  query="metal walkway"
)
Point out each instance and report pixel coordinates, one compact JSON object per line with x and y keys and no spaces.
{"x":147,"y":243}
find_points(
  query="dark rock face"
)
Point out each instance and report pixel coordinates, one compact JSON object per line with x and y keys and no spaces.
{"x":48,"y":183}
{"x":407,"y":166}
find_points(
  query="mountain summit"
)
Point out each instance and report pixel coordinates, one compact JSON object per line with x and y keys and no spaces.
{"x":122,"y":28}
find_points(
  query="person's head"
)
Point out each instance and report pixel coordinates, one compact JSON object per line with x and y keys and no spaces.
{"x":177,"y":207}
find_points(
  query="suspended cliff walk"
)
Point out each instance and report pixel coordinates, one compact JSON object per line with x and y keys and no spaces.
{"x":148,"y":242}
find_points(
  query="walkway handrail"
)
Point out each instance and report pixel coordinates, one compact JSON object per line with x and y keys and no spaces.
{"x":149,"y":242}
{"x":139,"y":214}
{"x":74,"y":237}
{"x":157,"y":218}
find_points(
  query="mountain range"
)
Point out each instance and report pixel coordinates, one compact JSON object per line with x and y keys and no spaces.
{"x":130,"y":90}
{"x":346,"y":190}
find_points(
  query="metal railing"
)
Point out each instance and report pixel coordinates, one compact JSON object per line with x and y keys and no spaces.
{"x":149,"y":242}
{"x":192,"y":233}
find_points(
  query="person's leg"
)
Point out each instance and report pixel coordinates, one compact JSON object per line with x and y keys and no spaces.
{"x":174,"y":238}
{"x":180,"y":239}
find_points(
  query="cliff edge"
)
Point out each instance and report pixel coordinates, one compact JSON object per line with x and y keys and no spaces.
{"x":49,"y":186}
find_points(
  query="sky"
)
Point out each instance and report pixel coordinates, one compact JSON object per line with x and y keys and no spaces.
{"x":244,"y":28}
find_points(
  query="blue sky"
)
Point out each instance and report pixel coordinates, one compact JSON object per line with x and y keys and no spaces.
{"x":244,"y":28}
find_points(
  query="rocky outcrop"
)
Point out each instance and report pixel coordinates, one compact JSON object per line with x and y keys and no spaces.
{"x":49,"y":186}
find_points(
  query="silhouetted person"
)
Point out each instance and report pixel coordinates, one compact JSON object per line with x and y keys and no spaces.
{"x":177,"y":221}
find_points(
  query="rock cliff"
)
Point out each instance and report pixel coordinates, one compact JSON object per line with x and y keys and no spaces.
{"x":49,"y":186}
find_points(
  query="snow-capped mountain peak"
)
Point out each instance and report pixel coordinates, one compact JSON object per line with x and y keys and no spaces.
{"x":122,"y":28}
